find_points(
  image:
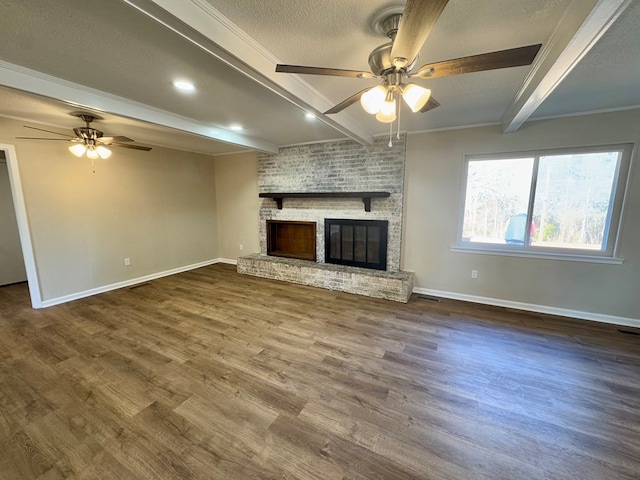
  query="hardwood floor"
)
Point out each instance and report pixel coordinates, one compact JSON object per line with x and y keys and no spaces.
{"x":213,"y":375}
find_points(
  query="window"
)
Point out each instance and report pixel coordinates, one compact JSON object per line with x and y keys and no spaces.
{"x":563,"y":202}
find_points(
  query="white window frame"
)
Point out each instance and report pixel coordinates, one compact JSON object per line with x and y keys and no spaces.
{"x":616,"y":208}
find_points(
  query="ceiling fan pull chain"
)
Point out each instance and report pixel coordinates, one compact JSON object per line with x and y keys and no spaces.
{"x":390,"y":135}
{"x":93,"y":165}
{"x":399,"y":111}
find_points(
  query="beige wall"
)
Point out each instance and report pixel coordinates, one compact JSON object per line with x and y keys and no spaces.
{"x":11,"y":262}
{"x":432,"y":201}
{"x":237,"y":200}
{"x":157,"y":208}
{"x":433,"y":196}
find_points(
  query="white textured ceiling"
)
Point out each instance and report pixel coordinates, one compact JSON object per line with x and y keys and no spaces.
{"x":116,"y":50}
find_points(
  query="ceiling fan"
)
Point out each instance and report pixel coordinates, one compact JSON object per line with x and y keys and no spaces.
{"x":393,"y":62}
{"x":88,"y":140}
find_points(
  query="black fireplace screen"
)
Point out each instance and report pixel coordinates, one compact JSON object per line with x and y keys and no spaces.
{"x":359,"y":243}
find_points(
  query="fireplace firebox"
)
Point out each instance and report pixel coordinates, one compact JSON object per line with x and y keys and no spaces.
{"x":291,"y":239}
{"x":359,"y":243}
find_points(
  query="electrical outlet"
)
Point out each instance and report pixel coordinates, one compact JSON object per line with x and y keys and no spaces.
{"x":474,"y":274}
{"x":241,"y":247}
{"x":127,"y":261}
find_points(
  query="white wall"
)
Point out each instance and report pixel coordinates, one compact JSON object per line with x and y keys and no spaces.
{"x":11,"y":263}
{"x":157,"y":208}
{"x":433,"y":194}
{"x":237,"y":200}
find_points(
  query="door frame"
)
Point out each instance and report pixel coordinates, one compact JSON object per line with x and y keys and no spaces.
{"x":23,"y":224}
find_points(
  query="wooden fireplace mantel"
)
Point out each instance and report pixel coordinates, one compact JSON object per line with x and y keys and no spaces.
{"x":366,"y":196}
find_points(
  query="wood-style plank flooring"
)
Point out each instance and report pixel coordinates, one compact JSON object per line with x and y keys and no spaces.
{"x":213,"y":375}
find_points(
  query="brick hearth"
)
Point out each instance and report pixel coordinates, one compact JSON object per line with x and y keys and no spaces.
{"x":396,"y":286}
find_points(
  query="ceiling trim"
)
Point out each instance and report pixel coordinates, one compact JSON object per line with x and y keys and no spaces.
{"x":582,"y":25}
{"x":586,"y":112}
{"x":204,"y":26}
{"x":21,"y":78}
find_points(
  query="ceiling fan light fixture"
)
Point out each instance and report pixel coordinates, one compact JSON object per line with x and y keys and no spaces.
{"x":78,"y":149}
{"x":415,"y":96}
{"x":387,"y":113}
{"x":103,"y":152}
{"x":373,"y":99}
{"x":92,"y":153}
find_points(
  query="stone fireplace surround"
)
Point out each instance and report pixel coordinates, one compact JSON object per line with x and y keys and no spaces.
{"x":339,"y":166}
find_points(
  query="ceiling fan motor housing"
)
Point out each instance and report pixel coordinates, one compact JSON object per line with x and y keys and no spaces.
{"x":87,"y":133}
{"x":380,"y":61}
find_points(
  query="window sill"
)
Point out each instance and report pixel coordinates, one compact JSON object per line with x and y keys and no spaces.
{"x":566,"y":257}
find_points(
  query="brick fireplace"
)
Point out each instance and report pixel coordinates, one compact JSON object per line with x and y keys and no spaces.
{"x":340,"y":167}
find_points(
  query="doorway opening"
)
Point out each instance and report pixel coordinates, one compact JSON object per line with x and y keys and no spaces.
{"x":12,"y":195}
{"x":12,"y":268}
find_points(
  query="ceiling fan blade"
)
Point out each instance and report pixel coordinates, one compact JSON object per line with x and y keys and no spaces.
{"x":43,"y":138}
{"x":430,"y":105}
{"x":335,"y":72}
{"x":417,"y":20}
{"x":346,"y":103}
{"x":48,"y":131}
{"x":133,"y":147}
{"x":110,"y":140}
{"x":513,"y":57}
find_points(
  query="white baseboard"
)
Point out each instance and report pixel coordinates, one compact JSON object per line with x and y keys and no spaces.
{"x":531,"y":307}
{"x":228,"y":261}
{"x":128,"y":283}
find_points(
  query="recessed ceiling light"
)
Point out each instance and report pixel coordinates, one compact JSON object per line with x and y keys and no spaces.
{"x":184,"y":86}
{"x":236,"y":127}
{"x":310,"y":116}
